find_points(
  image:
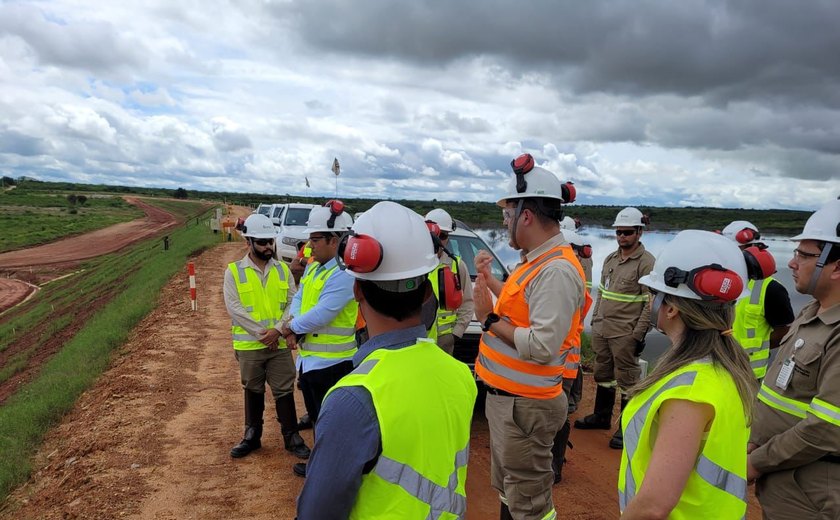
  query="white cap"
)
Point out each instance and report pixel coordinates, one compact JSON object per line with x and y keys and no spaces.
{"x":407,"y":249}
{"x":319,"y":221}
{"x":823,"y":225}
{"x":733,"y":228}
{"x":442,"y":219}
{"x":541,"y":183}
{"x":629,"y":217}
{"x":258,"y":225}
{"x":692,"y":249}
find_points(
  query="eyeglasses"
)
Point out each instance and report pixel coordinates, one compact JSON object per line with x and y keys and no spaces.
{"x":798,"y":254}
{"x":443,"y":235}
{"x":264,"y":241}
{"x":507,"y":214}
{"x":625,"y":232}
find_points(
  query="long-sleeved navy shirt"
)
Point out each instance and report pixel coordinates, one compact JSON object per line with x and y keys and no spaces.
{"x":347,"y":440}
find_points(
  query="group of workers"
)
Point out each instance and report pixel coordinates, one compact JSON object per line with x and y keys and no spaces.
{"x":382,"y":300}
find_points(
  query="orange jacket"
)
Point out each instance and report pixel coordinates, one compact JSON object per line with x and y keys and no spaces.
{"x":499,"y":364}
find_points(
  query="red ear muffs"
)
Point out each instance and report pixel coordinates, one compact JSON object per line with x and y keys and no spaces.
{"x":709,"y":282}
{"x":760,"y":263}
{"x":522,"y":165}
{"x":434,"y":229}
{"x":450,"y":295}
{"x":569,"y":193}
{"x":747,"y":235}
{"x":336,"y":208}
{"x":359,"y":253}
{"x":584,"y":251}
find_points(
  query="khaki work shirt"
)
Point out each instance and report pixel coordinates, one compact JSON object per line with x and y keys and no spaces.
{"x":785,"y":440}
{"x":586,"y":263}
{"x":466,"y":311}
{"x":234,"y":305}
{"x":613,"y":319}
{"x":553,"y":296}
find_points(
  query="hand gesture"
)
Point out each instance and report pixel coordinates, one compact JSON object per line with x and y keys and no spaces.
{"x":482,"y":299}
{"x":482,"y":262}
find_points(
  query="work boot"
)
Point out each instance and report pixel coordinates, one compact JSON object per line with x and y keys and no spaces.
{"x":617,"y":441}
{"x":287,"y":417}
{"x":299,"y":469}
{"x":558,"y":451}
{"x":254,"y":407}
{"x":305,"y":423}
{"x":504,"y":513}
{"x":602,"y":418}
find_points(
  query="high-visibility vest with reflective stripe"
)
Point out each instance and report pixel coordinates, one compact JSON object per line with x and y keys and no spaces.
{"x":621,"y":297}
{"x":445,"y":319}
{"x":337,"y":340}
{"x":425,"y":427}
{"x":265,"y":304}
{"x":751,"y":329}
{"x":717,"y":486}
{"x":499,"y":364}
{"x":817,"y":407}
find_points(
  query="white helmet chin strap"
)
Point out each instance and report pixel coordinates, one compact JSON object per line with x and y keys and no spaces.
{"x":815,"y":276}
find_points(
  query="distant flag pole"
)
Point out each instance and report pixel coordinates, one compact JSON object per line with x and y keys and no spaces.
{"x":336,"y":169}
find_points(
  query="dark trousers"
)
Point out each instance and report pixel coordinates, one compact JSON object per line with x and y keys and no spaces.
{"x":314,"y":385}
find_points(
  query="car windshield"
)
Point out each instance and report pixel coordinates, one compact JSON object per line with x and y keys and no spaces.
{"x":264,"y":210}
{"x":277,"y":211}
{"x":467,"y":248}
{"x":296,"y":217}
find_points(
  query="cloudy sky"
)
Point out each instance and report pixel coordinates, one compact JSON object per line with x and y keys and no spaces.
{"x":690,"y":102}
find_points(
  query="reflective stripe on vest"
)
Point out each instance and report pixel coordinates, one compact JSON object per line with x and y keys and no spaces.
{"x":825,"y":411}
{"x":336,"y":340}
{"x":499,"y":365}
{"x":264,"y":303}
{"x":782,"y":403}
{"x":422,"y":470}
{"x":445,"y":319}
{"x":728,"y":496}
{"x":621,"y":297}
{"x":750,"y":327}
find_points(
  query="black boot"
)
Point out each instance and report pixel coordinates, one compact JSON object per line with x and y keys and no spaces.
{"x":602,"y":418}
{"x":558,"y":451}
{"x":617,"y":441}
{"x":299,"y":469}
{"x":305,"y":423}
{"x":254,"y":408}
{"x":287,"y":417}
{"x":504,"y":513}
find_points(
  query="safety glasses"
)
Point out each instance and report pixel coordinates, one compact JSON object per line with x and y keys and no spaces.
{"x":800,"y":255}
{"x":264,"y":241}
{"x":625,"y":232}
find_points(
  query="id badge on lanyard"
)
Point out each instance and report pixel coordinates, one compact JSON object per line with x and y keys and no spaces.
{"x":786,"y":373}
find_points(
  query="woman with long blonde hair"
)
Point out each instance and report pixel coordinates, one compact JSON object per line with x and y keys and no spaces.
{"x":686,"y":426}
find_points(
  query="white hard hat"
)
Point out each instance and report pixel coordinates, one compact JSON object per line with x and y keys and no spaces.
{"x":319,"y":220}
{"x":699,"y":265}
{"x":629,"y":217}
{"x":823,"y":225}
{"x":442,"y":219}
{"x":573,"y":238}
{"x":742,"y":231}
{"x":532,"y":181}
{"x":405,"y":250}
{"x":568,"y":223}
{"x":258,"y":226}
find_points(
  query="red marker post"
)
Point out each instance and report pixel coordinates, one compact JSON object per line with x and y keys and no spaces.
{"x":191,"y":270}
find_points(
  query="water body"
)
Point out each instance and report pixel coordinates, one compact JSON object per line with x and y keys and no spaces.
{"x":603,"y":243}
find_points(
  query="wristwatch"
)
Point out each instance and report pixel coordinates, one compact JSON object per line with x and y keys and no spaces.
{"x":491,"y":319}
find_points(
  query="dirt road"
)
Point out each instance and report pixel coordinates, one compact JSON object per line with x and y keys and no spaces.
{"x":93,"y":244}
{"x":150,"y":440}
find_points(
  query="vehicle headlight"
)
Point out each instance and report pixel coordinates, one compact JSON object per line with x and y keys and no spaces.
{"x":290,"y":241}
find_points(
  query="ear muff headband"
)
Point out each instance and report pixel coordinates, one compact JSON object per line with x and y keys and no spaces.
{"x":710,"y":282}
{"x":522,"y":165}
{"x":747,"y":235}
{"x":336,"y":208}
{"x":359,"y":253}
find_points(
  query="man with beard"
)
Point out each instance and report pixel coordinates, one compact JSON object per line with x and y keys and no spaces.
{"x":619,"y":322}
{"x":258,"y":289}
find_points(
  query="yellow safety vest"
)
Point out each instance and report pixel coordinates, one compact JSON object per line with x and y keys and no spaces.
{"x":425,"y":427}
{"x":717,"y":487}
{"x":751,"y":329}
{"x":265,"y":304}
{"x":445,"y":319}
{"x":337,"y":340}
